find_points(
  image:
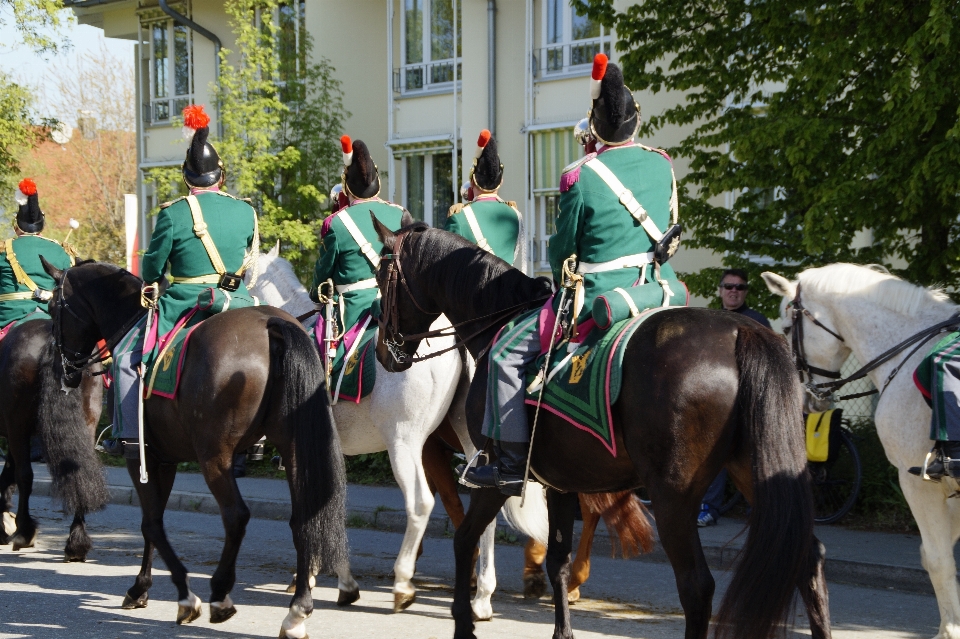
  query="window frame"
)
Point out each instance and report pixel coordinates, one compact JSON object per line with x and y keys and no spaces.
{"x":172,"y":102}
{"x":546,"y":63}
{"x":427,"y":66}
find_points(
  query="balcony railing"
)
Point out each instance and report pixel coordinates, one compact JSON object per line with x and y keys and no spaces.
{"x":417,"y":78}
{"x":161,"y":110}
{"x":567,"y":58}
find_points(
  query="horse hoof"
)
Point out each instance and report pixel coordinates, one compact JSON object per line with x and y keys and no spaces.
{"x":284,"y":635}
{"x":574,"y":595}
{"x":70,"y":556}
{"x":129,"y":603}
{"x":219,"y":614}
{"x":347,"y":597}
{"x":188,"y":610}
{"x":534,"y":586}
{"x":20,"y":541}
{"x":403,"y":600}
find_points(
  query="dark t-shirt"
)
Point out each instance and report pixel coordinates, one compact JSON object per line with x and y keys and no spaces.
{"x":752,"y":314}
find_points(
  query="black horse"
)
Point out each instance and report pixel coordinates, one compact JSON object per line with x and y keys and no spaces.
{"x":32,"y":402}
{"x":247,"y":373}
{"x":701,"y":390}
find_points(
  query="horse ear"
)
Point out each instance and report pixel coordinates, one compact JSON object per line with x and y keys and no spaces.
{"x":386,"y":236}
{"x":275,"y":251}
{"x":406,"y":219}
{"x":51,"y":270}
{"x":779,"y":285}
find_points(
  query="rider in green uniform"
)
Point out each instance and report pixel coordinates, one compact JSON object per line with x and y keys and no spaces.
{"x":206,"y":239}
{"x":612,"y":239}
{"x":350,"y":249}
{"x":25,"y":288}
{"x":484,"y":218}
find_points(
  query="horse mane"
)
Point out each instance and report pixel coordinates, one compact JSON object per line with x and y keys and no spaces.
{"x":871,"y":284}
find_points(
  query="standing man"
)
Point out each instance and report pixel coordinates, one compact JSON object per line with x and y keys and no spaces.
{"x":483,"y":218}
{"x":733,"y":294}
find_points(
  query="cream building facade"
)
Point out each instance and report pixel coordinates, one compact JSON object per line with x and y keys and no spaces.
{"x":419,"y":90}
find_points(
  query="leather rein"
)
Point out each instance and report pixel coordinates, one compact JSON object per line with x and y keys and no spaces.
{"x":389,"y":320}
{"x":825,"y":390}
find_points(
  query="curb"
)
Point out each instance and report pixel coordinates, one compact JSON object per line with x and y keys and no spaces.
{"x":719,"y":557}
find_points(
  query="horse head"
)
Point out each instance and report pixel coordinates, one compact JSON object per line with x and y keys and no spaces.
{"x":809,"y":323}
{"x":93,"y":301}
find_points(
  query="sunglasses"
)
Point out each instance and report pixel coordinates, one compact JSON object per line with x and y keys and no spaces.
{"x":731,"y":287}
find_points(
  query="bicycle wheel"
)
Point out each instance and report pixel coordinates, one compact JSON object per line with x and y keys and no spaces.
{"x":836,"y":482}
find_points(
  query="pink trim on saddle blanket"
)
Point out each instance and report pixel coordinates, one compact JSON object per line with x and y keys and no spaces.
{"x":183,"y":355}
{"x":150,"y":340}
{"x":547,"y":320}
{"x":923,"y":391}
{"x":356,"y":400}
{"x":5,"y":329}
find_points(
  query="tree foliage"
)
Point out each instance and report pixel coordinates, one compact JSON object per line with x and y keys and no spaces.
{"x":37,"y":22}
{"x":282,"y":115}
{"x":824,"y":118}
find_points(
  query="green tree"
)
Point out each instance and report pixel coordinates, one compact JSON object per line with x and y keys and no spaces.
{"x":37,"y":22}
{"x":824,"y":118}
{"x":282,"y":115}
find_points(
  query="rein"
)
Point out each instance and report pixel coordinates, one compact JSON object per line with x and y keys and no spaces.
{"x":389,"y":320}
{"x":77,"y":361}
{"x":825,"y":390}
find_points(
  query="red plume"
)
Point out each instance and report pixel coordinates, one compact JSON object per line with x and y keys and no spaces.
{"x":28,"y":187}
{"x":194,"y":117}
{"x":599,"y":66}
{"x":346,"y":144}
{"x":483,"y":139}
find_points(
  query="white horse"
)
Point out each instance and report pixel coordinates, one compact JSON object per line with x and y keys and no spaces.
{"x":398,"y":416}
{"x":874,"y":311}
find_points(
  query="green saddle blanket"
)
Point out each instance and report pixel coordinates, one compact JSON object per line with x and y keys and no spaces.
{"x":938,"y":379}
{"x":163,"y":375}
{"x":354,"y":368}
{"x":584,"y":382}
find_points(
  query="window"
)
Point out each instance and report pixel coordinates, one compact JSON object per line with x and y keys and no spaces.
{"x":170,"y":71}
{"x":415,"y":186}
{"x":289,"y":16}
{"x":570,"y":40}
{"x":428,"y":39}
{"x":428,"y":185}
{"x":551,"y":151}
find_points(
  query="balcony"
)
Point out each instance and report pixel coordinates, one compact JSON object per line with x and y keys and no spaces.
{"x":162,"y":110}
{"x":426,"y":78}
{"x":571,"y":59}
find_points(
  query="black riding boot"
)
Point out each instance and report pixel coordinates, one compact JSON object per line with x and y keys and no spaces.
{"x":945,"y":462}
{"x":506,"y":473}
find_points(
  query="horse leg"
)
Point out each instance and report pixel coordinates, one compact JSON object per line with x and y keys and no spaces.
{"x":484,"y":506}
{"x":7,"y":482}
{"x":405,"y":457}
{"x":534,"y":581}
{"x":562,"y":508}
{"x":581,"y":565}
{"x":78,"y":543}
{"x":813,"y":590}
{"x":349,"y":589}
{"x":26,"y":533}
{"x":138,"y":595}
{"x":485,"y":574}
{"x":234,"y":513}
{"x":153,"y":500}
{"x":676,"y":519}
{"x":932,"y":512}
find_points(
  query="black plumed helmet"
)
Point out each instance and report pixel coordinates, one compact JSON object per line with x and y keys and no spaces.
{"x":29,"y":216}
{"x":615,"y":116}
{"x":360,"y":175}
{"x":202,"y":166}
{"x":487,"y":168}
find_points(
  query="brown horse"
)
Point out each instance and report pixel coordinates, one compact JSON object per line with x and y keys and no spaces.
{"x":701,"y":390}
{"x":32,"y":402}
{"x":247,"y":373}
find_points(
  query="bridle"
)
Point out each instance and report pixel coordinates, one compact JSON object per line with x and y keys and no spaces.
{"x":824,"y":390}
{"x":389,"y":320}
{"x":72,"y":361}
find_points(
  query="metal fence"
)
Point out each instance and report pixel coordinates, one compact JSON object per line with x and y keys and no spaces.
{"x":860,"y":407}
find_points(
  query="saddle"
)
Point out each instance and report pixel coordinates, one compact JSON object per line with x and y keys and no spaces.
{"x":353,"y":371}
{"x":938,"y":380}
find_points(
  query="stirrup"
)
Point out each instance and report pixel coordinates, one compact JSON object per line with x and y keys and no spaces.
{"x":926,"y":464}
{"x":463,"y":473}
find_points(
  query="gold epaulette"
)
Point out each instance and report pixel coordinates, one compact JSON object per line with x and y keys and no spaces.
{"x":456,"y":208}
{"x":511,"y":204}
{"x":578,"y":163}
{"x":172,"y":202}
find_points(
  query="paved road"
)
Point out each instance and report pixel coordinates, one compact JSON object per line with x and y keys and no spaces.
{"x":40,"y":596}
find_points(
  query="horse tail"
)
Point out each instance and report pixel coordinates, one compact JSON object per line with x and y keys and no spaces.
{"x":531,"y":520}
{"x":626,"y":519}
{"x":318,"y":484}
{"x":778,"y":547}
{"x":67,"y":440}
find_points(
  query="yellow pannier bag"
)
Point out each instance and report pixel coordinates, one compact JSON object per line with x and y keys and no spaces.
{"x":818,"y":433}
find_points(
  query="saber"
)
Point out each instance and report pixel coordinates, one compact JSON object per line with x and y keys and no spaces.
{"x":148,"y":298}
{"x":329,"y":332}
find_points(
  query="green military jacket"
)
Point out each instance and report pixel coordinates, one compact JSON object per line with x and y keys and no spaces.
{"x":594,"y":225}
{"x":231,"y":224}
{"x":499,"y":224}
{"x":342,"y":260}
{"x":27,"y":250}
